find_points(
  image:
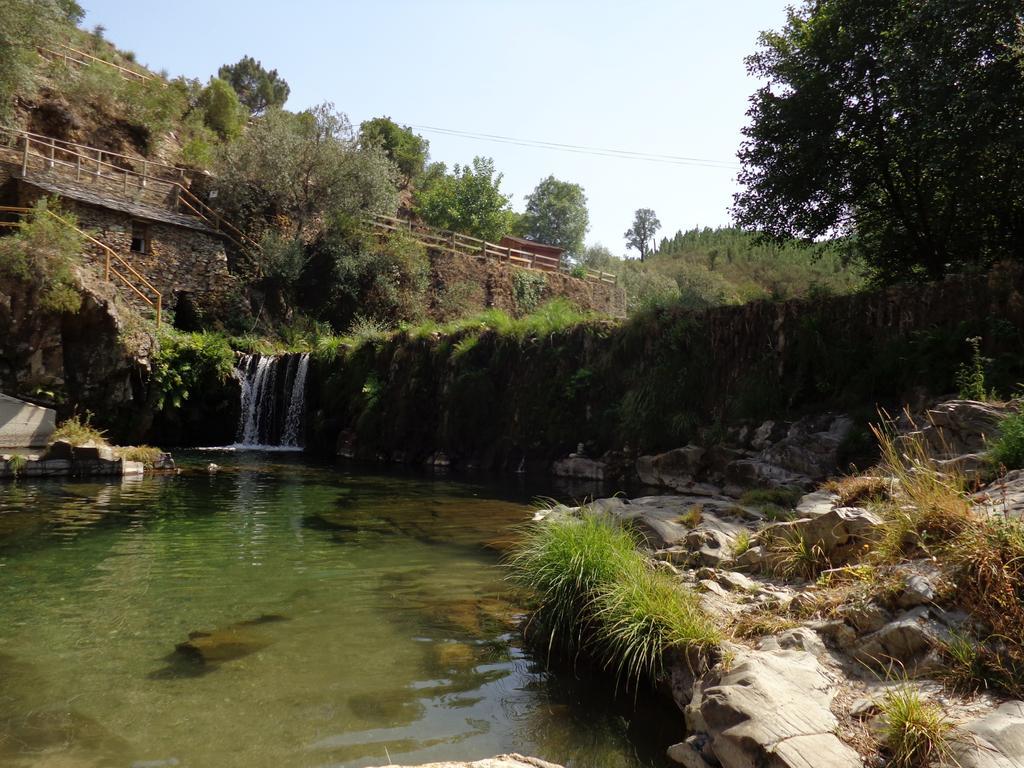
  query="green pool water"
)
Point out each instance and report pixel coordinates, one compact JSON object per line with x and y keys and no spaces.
{"x":282,"y":613}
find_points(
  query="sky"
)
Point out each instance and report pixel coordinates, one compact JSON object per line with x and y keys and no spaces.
{"x":663,"y":78}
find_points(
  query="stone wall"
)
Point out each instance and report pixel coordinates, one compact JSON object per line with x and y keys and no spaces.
{"x":665,"y":378}
{"x":179,"y":259}
{"x":462,"y":283}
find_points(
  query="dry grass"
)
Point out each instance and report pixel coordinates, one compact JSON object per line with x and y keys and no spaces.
{"x":79,"y":431}
{"x":760,"y":622}
{"x":857,"y":490}
{"x":146,"y":454}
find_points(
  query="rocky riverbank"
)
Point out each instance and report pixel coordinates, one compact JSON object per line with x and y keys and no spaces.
{"x":852,"y":614}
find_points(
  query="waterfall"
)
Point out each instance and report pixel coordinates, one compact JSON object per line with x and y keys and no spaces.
{"x":273,"y":409}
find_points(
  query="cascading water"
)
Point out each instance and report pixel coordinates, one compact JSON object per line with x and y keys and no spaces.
{"x":273,"y":400}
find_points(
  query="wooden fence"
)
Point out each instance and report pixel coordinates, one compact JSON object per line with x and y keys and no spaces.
{"x":145,"y":181}
{"x":70,"y":55}
{"x":455,"y":242}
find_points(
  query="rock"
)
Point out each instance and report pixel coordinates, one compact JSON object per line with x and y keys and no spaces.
{"x":60,"y":450}
{"x":995,"y":740}
{"x":579,"y":467}
{"x":772,"y":708}
{"x":1004,"y":497}
{"x":903,"y":640}
{"x":211,"y":468}
{"x":758,"y":472}
{"x":501,"y":761}
{"x":918,"y":589}
{"x":677,"y":469}
{"x":816,"y":504}
{"x":797,"y":639}
{"x":687,"y":754}
{"x":959,"y":427}
{"x":865,"y":617}
{"x":840,"y":532}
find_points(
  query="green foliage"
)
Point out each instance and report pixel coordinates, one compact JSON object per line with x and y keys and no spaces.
{"x":641,"y":234}
{"x":25,"y":24}
{"x":780,"y":497}
{"x":185,"y":362}
{"x":598,"y":257}
{"x":381,"y":279}
{"x":556,"y":214}
{"x":257,"y":88}
{"x":970,"y":377}
{"x":468,"y":200}
{"x":646,"y":289}
{"x":17,"y":463}
{"x":595,"y":593}
{"x":222,"y":111}
{"x":915,"y":731}
{"x":43,"y":253}
{"x":408,"y":151}
{"x":1008,"y":448}
{"x":296,"y":170}
{"x":527,"y":290}
{"x":886,"y":121}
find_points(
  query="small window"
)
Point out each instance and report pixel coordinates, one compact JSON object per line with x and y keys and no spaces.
{"x":140,"y":237}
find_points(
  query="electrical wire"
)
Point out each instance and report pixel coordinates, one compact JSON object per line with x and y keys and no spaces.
{"x":622,"y":154}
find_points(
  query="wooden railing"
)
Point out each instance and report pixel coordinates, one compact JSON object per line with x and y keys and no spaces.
{"x":70,"y":55}
{"x":113,"y":263}
{"x":455,"y":242}
{"x":154,"y":183}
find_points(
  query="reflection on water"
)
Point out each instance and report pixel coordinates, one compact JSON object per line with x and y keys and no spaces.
{"x":279,"y":613}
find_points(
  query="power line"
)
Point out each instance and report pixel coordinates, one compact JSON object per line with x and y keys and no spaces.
{"x":622,"y":154}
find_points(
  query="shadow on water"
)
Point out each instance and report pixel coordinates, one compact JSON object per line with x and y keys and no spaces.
{"x":285,"y":612}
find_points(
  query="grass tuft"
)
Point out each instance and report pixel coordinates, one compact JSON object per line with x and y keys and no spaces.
{"x":596,"y":593}
{"x":741,"y":543}
{"x":860,"y":489}
{"x":794,"y":556}
{"x":146,"y":454}
{"x":915,"y":732}
{"x":79,"y":431}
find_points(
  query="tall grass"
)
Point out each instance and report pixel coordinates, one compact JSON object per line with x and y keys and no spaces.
{"x":78,"y":430}
{"x":597,"y":595}
{"x":915,"y":732}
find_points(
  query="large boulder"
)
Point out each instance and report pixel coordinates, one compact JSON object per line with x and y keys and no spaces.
{"x":23,"y":425}
{"x":771,"y":708}
{"x":995,"y":740}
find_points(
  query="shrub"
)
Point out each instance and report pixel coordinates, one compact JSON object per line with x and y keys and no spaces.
{"x":1008,"y":449}
{"x":43,"y":253}
{"x":970,"y":377}
{"x":527,"y":290}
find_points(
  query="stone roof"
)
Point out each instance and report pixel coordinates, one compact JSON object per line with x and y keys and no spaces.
{"x":132,"y":208}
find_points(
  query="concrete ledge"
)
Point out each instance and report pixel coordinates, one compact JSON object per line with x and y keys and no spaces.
{"x":23,"y":425}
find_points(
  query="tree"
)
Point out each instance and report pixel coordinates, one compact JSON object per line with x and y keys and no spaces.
{"x":408,"y":150}
{"x":641,"y":234}
{"x":896,"y":123}
{"x":556,"y":213}
{"x":468,"y":200}
{"x":25,"y":24}
{"x":222,"y":111}
{"x":294,"y":169}
{"x":600,"y":258}
{"x":257,"y":88}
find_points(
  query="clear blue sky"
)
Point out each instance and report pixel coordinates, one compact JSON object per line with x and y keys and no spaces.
{"x":658,"y":77}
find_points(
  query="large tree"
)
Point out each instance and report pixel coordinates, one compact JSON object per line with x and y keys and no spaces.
{"x":897,"y":122}
{"x":258,"y":89}
{"x":468,"y":200}
{"x":641,"y":234}
{"x":556,"y":213}
{"x":296,"y":169}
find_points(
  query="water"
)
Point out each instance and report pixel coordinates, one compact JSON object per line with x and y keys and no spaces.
{"x":344,"y":619}
{"x":273,"y":400}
